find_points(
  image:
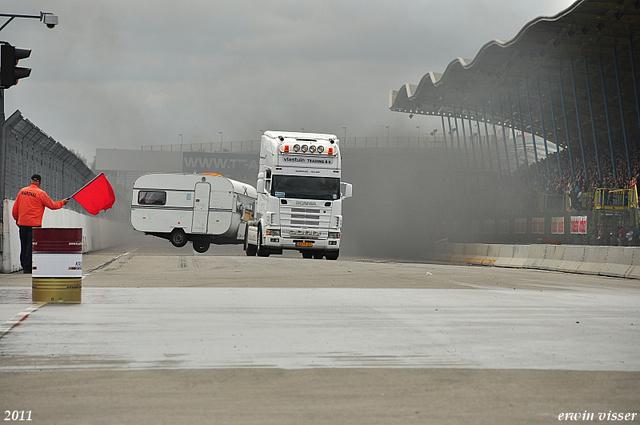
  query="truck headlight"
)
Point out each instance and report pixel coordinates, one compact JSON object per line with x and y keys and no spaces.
{"x":334,"y":235}
{"x":273,"y":232}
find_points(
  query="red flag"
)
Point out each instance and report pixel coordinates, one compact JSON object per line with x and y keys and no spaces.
{"x":96,"y":196}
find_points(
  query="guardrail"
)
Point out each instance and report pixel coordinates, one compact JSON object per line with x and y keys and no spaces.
{"x":602,"y":199}
{"x":616,"y":199}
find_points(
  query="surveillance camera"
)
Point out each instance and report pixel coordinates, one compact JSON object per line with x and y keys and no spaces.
{"x":50,"y":20}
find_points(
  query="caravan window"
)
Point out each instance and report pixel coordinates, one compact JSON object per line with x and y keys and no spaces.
{"x":152,"y":198}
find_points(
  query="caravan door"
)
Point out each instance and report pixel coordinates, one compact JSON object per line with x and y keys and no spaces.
{"x":201,"y":208}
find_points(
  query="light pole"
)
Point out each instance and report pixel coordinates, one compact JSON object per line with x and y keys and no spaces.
{"x":47,"y":18}
{"x":433,"y":134}
{"x":50,"y":20}
{"x":220,"y":138}
{"x":418,"y":127}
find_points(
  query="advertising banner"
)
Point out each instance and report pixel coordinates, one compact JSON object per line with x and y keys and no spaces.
{"x":537,"y":226}
{"x":557,"y":225}
{"x":578,"y":225}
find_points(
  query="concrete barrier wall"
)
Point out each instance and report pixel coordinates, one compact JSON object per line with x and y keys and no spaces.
{"x":536,"y":256}
{"x":619,"y":261}
{"x":613,"y":261}
{"x":595,"y":257}
{"x":505,"y":255}
{"x":573,"y":257}
{"x":553,"y":257}
{"x":520,"y":256}
{"x":458,"y":252}
{"x":493,"y":253}
{"x":97,"y":233}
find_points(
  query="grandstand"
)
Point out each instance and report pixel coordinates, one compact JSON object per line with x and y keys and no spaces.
{"x":571,"y":81}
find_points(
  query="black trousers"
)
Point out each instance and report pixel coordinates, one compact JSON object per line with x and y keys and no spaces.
{"x":26,"y":247}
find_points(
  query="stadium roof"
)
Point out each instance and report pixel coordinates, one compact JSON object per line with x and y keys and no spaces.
{"x":576,"y":59}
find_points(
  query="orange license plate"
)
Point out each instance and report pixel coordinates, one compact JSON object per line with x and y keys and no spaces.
{"x":304,"y":244}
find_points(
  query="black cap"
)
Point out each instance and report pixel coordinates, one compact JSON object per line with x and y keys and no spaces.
{"x":36,"y":178}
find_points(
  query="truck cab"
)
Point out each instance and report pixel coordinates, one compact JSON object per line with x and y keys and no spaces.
{"x":300,"y":196}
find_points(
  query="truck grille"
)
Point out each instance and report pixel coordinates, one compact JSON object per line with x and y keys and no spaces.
{"x":296,"y":218}
{"x":305,"y":210}
{"x":308,"y":217}
{"x":305,"y":223}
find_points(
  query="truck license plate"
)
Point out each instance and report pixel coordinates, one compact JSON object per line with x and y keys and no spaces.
{"x":304,"y":243}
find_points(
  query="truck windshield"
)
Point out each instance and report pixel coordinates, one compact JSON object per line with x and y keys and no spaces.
{"x":302,"y":187}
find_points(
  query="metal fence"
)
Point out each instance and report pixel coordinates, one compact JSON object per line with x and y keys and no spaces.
{"x":27,"y":150}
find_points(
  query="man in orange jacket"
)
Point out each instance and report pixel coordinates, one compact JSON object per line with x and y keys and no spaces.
{"x":28,"y":210}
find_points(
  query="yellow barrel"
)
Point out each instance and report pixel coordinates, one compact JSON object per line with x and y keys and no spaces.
{"x":57,"y":290}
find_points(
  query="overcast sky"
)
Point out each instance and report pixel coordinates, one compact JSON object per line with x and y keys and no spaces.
{"x":126,"y":73}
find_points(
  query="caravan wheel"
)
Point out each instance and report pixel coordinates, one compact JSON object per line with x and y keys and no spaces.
{"x":178,"y":238}
{"x":201,"y":246}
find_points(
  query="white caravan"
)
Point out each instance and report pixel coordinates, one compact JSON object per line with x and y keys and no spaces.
{"x":202,"y":208}
{"x":299,"y":196}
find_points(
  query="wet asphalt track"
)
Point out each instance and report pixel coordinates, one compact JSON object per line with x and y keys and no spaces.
{"x":151,"y":307}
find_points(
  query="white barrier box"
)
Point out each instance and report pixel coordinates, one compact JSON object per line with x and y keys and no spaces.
{"x":520,"y":256}
{"x":505,"y":255}
{"x":493,"y":253}
{"x":619,"y":261}
{"x":479,"y":253}
{"x":458,"y":252}
{"x":634,"y":271}
{"x":573,"y":258}
{"x":553,"y":257}
{"x":470,"y":250}
{"x":536,"y":255}
{"x":595,"y":258}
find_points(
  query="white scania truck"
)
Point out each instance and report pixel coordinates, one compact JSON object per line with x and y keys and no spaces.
{"x":300,"y":196}
{"x":202,"y":208}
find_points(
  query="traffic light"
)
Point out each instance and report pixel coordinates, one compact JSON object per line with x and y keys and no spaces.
{"x":9,"y":72}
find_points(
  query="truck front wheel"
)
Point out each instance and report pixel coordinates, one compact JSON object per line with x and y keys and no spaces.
{"x":251,"y":250}
{"x":332,"y":255}
{"x":245,"y":246}
{"x":261,"y":249}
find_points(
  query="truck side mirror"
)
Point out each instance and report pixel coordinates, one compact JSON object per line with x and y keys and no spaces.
{"x":346,"y":189}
